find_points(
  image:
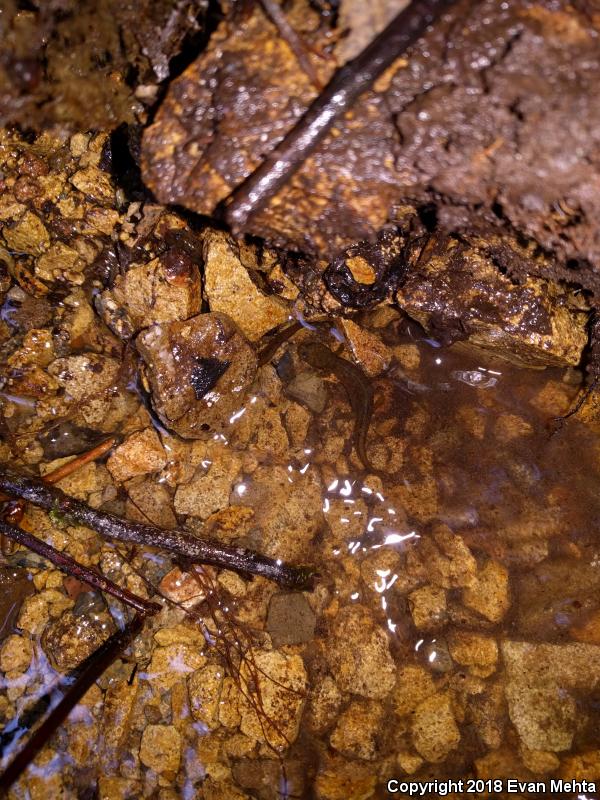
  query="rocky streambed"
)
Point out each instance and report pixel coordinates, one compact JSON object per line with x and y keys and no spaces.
{"x":394,"y":388}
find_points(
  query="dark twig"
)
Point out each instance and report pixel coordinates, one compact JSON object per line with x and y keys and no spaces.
{"x":72,"y":567}
{"x":273,"y":10}
{"x":339,"y":95}
{"x":78,"y":681}
{"x":14,"y":513}
{"x":183,"y":544}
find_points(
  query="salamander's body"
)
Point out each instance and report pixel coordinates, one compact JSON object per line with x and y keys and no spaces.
{"x":357,"y":387}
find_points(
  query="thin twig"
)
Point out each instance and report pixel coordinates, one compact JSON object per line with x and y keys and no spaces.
{"x":182,"y":543}
{"x":339,"y":95}
{"x":14,"y":513}
{"x":273,"y":10}
{"x":83,"y":677}
{"x":72,"y":567}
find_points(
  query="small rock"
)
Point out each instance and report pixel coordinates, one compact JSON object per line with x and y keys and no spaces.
{"x":359,"y":655}
{"x":150,"y":501}
{"x":581,"y":767}
{"x":428,"y":607}
{"x":117,"y":709}
{"x":529,"y":323}
{"x":205,"y":686}
{"x":368,"y":350}
{"x":209,"y":491}
{"x":166,"y":289}
{"x":70,"y":639}
{"x":179,"y":634}
{"x":142,"y":452}
{"x":290,"y":619}
{"x":160,"y":749}
{"x":477,"y":652}
{"x":347,"y":520}
{"x":84,"y":376}
{"x":112,"y":788}
{"x":288,"y":510}
{"x":455,"y":565}
{"x":413,"y":685}
{"x":282,"y":684}
{"x":323,"y":705}
{"x":539,"y":761}
{"x":355,"y":734}
{"x":169,"y":664}
{"x":489,"y":593}
{"x":310,"y":390}
{"x":434,"y":729}
{"x":546,"y":689}
{"x":230,"y":289}
{"x":409,"y":762}
{"x":297,"y":421}
{"x":16,"y":654}
{"x":511,"y":426}
{"x":199,"y":372}
{"x":34,"y":614}
{"x":339,"y":779}
{"x":182,"y":587}
{"x":229,"y":715}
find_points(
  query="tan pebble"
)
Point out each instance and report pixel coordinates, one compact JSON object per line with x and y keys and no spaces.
{"x":408,"y":356}
{"x":355,"y":734}
{"x":359,"y":655}
{"x":434,"y":729}
{"x":581,"y":767}
{"x":142,"y":452}
{"x":232,"y":583}
{"x":540,"y":761}
{"x":323,"y":705}
{"x":160,"y":749}
{"x":282,"y":685}
{"x":477,"y":652}
{"x":428,"y":607}
{"x":15,"y":654}
{"x":209,"y":491}
{"x":169,"y":664}
{"x":338,"y":779}
{"x":511,"y":426}
{"x":33,"y":615}
{"x":369,"y":351}
{"x":182,"y":587}
{"x":409,"y":762}
{"x":179,"y":634}
{"x":489,"y":593}
{"x":229,"y":715}
{"x":204,"y":687}
{"x":230,"y":289}
{"x":414,"y":684}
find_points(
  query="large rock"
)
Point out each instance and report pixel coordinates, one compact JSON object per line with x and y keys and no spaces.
{"x":199,"y":371}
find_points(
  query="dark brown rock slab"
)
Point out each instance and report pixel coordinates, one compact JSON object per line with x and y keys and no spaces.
{"x":493,"y":116}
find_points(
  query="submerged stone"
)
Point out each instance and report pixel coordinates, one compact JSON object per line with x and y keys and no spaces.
{"x":173,"y":354}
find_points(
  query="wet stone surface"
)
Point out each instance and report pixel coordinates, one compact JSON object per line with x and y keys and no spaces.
{"x":455,"y":620}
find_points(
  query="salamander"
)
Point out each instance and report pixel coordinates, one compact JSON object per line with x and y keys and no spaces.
{"x":357,"y":387}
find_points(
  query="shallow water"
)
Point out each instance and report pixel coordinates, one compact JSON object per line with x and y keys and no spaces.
{"x":455,"y":628}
